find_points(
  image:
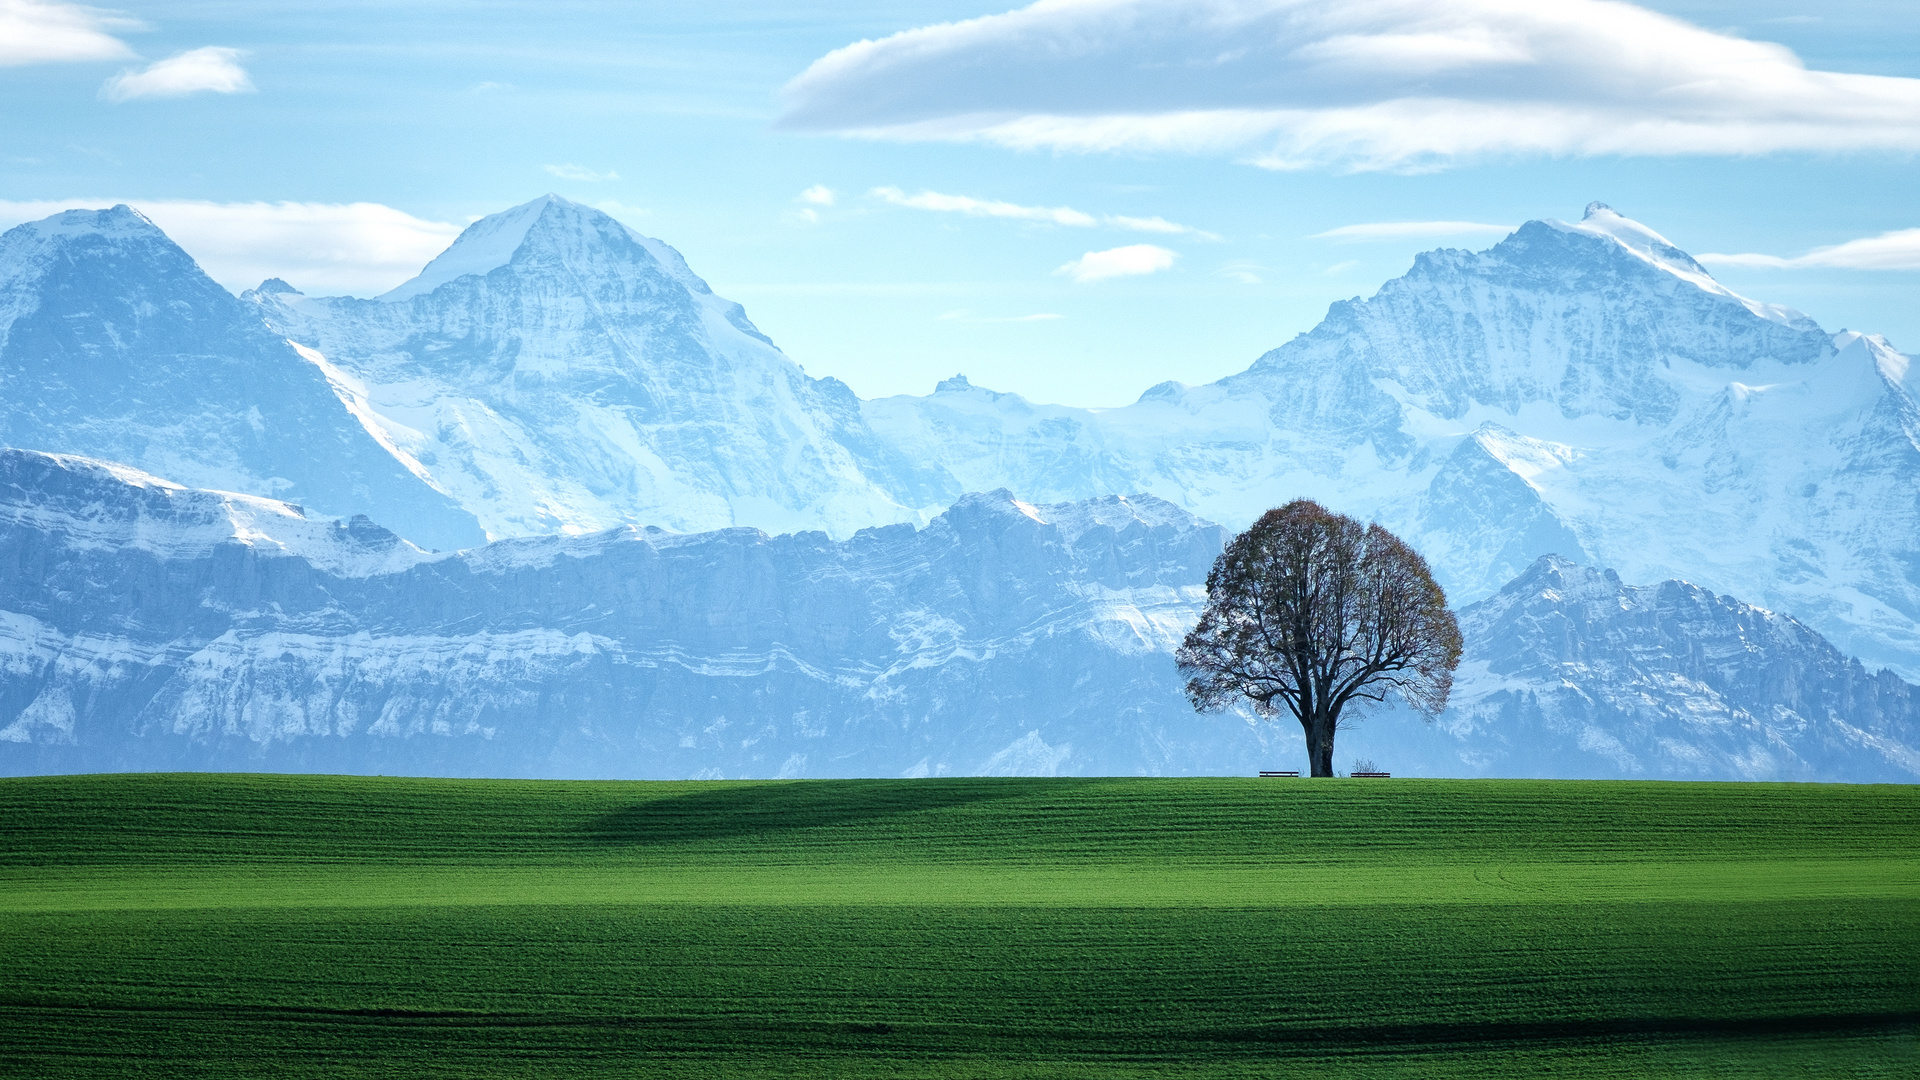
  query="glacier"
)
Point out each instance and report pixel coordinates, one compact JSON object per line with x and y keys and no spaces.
{"x":151,"y":626}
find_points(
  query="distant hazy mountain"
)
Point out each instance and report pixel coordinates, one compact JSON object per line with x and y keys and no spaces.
{"x":1571,"y":673}
{"x":152,"y":627}
{"x":558,"y":372}
{"x":147,"y":626}
{"x":114,"y":344}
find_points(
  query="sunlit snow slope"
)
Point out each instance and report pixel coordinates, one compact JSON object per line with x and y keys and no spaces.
{"x":560,"y":373}
{"x":114,"y":344}
{"x":1585,"y":390}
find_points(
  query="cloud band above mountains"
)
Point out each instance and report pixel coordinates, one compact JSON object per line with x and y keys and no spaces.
{"x":1397,"y":84}
{"x":1897,"y":250}
{"x":360,"y":249}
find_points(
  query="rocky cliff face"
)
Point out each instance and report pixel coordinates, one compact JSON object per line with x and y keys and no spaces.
{"x":1572,"y":673}
{"x":149,"y":626}
{"x":153,"y":627}
{"x":114,"y":344}
{"x":560,"y":373}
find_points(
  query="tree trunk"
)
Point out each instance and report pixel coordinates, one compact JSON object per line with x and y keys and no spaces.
{"x":1319,"y":746}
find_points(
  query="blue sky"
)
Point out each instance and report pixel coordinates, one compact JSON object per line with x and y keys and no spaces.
{"x":1167,"y":199}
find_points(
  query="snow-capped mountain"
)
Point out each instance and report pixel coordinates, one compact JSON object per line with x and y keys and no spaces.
{"x":1570,"y":672}
{"x":558,"y":372}
{"x":114,"y":344}
{"x":148,"y":626}
{"x":1586,"y":389}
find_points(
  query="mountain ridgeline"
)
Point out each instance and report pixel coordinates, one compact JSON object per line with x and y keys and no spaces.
{"x":159,"y":627}
{"x":209,"y":581}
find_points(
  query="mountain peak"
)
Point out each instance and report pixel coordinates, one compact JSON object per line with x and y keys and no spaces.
{"x":559,"y":226}
{"x":483,"y":246}
{"x":1604,"y":222}
{"x":120,"y":220}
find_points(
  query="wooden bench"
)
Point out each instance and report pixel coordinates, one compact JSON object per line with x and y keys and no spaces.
{"x":1364,"y":775}
{"x":1289,"y":772}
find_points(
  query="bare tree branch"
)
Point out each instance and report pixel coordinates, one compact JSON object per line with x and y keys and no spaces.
{"x":1319,"y":612}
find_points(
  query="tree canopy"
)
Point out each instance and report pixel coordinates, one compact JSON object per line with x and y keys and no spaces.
{"x":1316,"y":613}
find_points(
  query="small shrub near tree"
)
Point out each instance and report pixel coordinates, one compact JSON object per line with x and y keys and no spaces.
{"x":1317,"y":614}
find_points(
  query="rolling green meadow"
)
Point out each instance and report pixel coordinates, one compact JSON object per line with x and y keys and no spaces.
{"x":304,"y":926}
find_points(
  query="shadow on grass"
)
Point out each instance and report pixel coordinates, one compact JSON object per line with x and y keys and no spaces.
{"x":803,"y":804}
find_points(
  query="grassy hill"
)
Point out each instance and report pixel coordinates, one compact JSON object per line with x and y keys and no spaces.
{"x":217,"y":926}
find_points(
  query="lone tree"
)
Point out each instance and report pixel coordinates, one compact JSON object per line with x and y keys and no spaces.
{"x":1314,"y":611}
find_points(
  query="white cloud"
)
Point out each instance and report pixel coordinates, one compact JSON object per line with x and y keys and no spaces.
{"x":1246,"y":273}
{"x":212,"y":70}
{"x":1401,"y":84}
{"x":1118,"y":262}
{"x":581,"y":173}
{"x":1402,"y":230}
{"x":962,"y":204}
{"x":36,"y":32}
{"x":320,"y":248}
{"x":818,"y":195}
{"x":1058,"y":215}
{"x":963,"y":315}
{"x":1158,"y":225}
{"x":1897,"y":250}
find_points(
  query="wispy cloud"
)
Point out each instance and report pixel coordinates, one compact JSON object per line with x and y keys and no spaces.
{"x":1245,"y":273}
{"x":36,"y":32}
{"x":1393,"y":84}
{"x":963,"y":204}
{"x":964,"y":315}
{"x":1405,"y":230}
{"x":817,"y":195}
{"x":1897,"y":250}
{"x":1158,"y":225}
{"x":1057,"y":215}
{"x":357,"y":248}
{"x":212,"y":70}
{"x":579,"y":172}
{"x":1130,"y":261}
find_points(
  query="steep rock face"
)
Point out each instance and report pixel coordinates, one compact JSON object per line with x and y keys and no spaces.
{"x":560,"y":373}
{"x":148,"y":626}
{"x":152,"y":627}
{"x":1570,"y":672}
{"x":1646,"y":418}
{"x":114,"y":344}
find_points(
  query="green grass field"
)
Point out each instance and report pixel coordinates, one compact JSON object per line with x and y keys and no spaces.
{"x":207,"y":925}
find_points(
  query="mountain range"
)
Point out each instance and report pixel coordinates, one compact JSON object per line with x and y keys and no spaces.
{"x":571,"y":391}
{"x":158,"y":627}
